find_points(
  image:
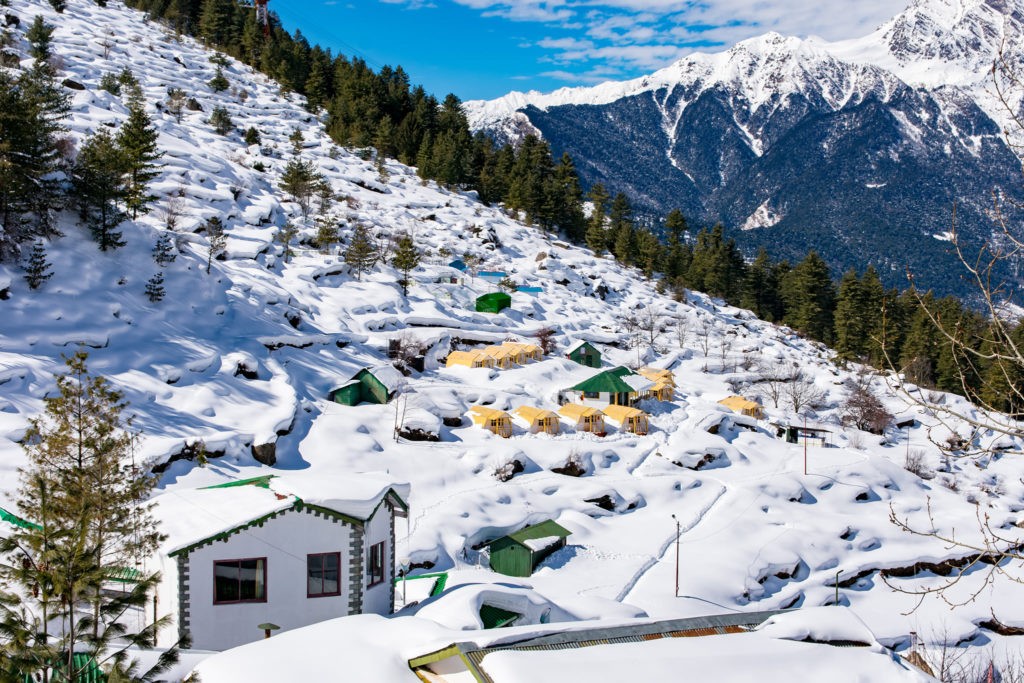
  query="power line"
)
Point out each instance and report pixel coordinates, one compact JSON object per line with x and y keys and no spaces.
{"x":331,"y":35}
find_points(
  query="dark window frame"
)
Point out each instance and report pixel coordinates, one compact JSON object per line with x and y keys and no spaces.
{"x":323,"y":594}
{"x":376,"y":578}
{"x":238,"y":562}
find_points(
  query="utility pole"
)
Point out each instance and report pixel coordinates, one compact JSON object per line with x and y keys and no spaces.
{"x":805,"y":445}
{"x":678,"y":532}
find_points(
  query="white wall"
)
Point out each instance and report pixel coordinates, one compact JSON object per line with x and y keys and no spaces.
{"x":284,"y":541}
{"x":377,"y":599}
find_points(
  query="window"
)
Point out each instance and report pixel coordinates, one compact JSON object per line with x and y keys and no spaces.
{"x":323,"y":575}
{"x":375,"y":566}
{"x":240,"y":581}
{"x":591,"y":394}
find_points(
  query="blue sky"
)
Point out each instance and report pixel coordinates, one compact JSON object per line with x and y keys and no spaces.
{"x":485,"y":48}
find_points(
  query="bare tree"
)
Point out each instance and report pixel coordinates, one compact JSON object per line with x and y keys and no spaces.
{"x":682,"y":328}
{"x":802,"y":393}
{"x":775,"y":374}
{"x":725,"y":344}
{"x":650,"y":322}
{"x":703,"y":330}
{"x":862,"y":408}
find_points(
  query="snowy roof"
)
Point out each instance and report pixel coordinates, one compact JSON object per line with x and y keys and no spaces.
{"x":638,"y":383}
{"x":191,"y":516}
{"x":539,"y":536}
{"x":578,"y":345}
{"x":387,"y":375}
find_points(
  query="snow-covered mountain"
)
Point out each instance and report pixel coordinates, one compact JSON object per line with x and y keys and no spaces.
{"x":856,"y":148}
{"x":245,"y":356}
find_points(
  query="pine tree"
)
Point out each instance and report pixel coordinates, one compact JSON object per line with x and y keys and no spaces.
{"x":810,"y":298}
{"x":83,"y":500}
{"x":252,"y":136}
{"x":163,"y":250}
{"x":155,"y":287}
{"x":675,"y":224}
{"x":285,"y":236}
{"x":39,"y":36}
{"x":326,"y":233}
{"x":217,"y":21}
{"x":596,"y":235}
{"x":567,"y":199}
{"x":361,"y":254}
{"x":37,"y":269}
{"x":136,"y":140}
{"x":302,"y":181}
{"x":99,"y":186}
{"x":648,"y":249}
{"x":216,"y":240}
{"x":219,"y":82}
{"x":59,"y":5}
{"x":221,"y":121}
{"x":405,"y":260}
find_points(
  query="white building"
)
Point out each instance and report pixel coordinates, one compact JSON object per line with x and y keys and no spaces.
{"x":288,"y":550}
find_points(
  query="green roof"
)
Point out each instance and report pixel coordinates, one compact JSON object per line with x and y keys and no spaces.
{"x":542,"y":530}
{"x":495,"y":617}
{"x":621,"y":371}
{"x":259,"y":482}
{"x":14,"y":519}
{"x":123,"y":574}
{"x":606,"y":381}
{"x":440,"y":581}
{"x":85,"y":666}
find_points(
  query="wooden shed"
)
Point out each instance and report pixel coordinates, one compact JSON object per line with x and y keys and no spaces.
{"x":502,"y":356}
{"x":519,"y":553}
{"x":632,"y":420}
{"x":369,"y":385}
{"x":663,"y":390}
{"x":469,"y":359}
{"x":740,"y":405}
{"x":584,"y":418}
{"x":537,"y":419}
{"x":526,"y":352}
{"x":496,"y":421}
{"x":584,"y":353}
{"x":493,"y":302}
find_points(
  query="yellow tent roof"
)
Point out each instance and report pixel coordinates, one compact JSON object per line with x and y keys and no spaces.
{"x":532,"y":414}
{"x":739,"y":403}
{"x":578,"y":410}
{"x":658,"y":375}
{"x":499,"y":352}
{"x":528,"y":348}
{"x":623,"y":413}
{"x":481,"y":414}
{"x":463,"y":357}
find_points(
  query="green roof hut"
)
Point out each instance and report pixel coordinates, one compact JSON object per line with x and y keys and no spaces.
{"x":369,"y":385}
{"x":584,"y":353}
{"x":519,"y":553}
{"x":493,"y":302}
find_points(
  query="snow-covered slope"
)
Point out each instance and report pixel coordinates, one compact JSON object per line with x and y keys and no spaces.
{"x":246,"y":355}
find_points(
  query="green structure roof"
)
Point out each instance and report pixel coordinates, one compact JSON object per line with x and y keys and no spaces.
{"x":621,"y":371}
{"x":14,"y":519}
{"x":544,"y":529}
{"x":440,"y":581}
{"x":259,"y":482}
{"x":496,"y":617}
{"x":124,"y":574}
{"x":606,"y":381}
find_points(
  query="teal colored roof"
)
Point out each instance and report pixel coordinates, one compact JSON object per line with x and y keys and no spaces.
{"x":606,"y":381}
{"x":123,"y":574}
{"x":259,"y":482}
{"x":621,"y":371}
{"x":544,"y":529}
{"x":14,"y":519}
{"x":440,"y":581}
{"x":88,"y":671}
{"x":496,"y":617}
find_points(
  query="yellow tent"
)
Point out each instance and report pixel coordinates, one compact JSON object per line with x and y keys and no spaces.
{"x":585,"y":418}
{"x":663,"y":390}
{"x":629,"y":419}
{"x":497,"y":421}
{"x":469,"y":359}
{"x":658,"y":375}
{"x":740,"y":405}
{"x":526,"y":352}
{"x":504,"y":358}
{"x":539,"y":420}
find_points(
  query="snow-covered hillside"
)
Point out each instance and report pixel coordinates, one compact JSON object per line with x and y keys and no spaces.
{"x":245,"y":356}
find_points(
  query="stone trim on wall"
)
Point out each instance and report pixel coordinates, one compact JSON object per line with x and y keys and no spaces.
{"x":356,"y":550}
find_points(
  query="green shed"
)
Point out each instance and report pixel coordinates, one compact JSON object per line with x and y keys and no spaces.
{"x":85,"y":670}
{"x":369,"y":385}
{"x":519,"y":553}
{"x":585,"y":354}
{"x":493,"y":302}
